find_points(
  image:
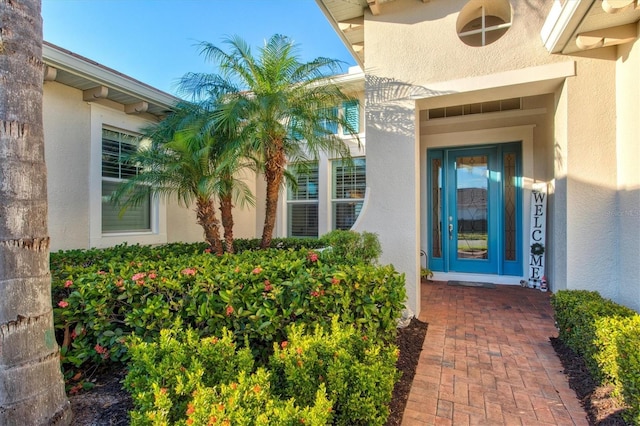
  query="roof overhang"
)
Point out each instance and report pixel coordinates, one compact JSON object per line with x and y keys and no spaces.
{"x":347,"y":19}
{"x":574,"y":26}
{"x":99,"y":82}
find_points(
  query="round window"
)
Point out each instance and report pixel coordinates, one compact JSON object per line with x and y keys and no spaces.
{"x":481,"y":22}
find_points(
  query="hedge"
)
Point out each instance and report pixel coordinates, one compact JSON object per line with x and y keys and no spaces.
{"x":607,"y":335}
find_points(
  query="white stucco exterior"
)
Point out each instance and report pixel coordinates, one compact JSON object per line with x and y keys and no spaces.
{"x":578,"y":126}
{"x":73,"y":148}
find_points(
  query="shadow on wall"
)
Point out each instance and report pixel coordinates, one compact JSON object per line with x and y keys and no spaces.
{"x":602,"y":239}
{"x":391,"y":104}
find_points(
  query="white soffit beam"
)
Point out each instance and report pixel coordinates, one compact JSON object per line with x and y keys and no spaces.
{"x":98,"y":92}
{"x":136,"y":108}
{"x":607,"y":37}
{"x":562,"y":22}
{"x":374,"y":6}
{"x":50,"y":73}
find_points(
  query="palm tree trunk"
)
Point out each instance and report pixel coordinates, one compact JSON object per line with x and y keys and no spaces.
{"x":226,"y":213}
{"x":274,"y":172}
{"x":30,"y":377}
{"x":206,"y":214}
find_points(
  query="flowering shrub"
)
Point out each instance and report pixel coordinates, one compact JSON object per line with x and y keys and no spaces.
{"x":164,"y":374}
{"x":256,"y":294}
{"x":328,"y":377}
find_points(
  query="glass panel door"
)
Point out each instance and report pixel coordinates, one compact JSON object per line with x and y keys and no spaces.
{"x":471,"y":216}
{"x":475,"y":209}
{"x":472,"y":189}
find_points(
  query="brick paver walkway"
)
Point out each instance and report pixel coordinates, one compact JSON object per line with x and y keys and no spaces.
{"x":487,"y":360}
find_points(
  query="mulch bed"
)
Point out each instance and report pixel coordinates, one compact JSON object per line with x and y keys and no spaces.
{"x":409,"y":342}
{"x":602,"y":409}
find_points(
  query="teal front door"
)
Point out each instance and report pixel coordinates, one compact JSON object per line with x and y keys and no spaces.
{"x":475,"y":212}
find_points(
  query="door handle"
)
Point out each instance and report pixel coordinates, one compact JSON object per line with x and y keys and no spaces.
{"x":451,"y":231}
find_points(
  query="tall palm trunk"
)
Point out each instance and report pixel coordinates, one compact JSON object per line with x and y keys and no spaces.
{"x":226,"y":213}
{"x":206,"y":214}
{"x":273,"y":174}
{"x":31,"y":384}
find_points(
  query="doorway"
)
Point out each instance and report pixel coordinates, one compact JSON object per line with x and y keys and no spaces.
{"x":475,"y":209}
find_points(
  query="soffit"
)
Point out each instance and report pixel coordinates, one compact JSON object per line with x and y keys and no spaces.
{"x":577,"y":26}
{"x":84,"y":74}
{"x":347,"y":18}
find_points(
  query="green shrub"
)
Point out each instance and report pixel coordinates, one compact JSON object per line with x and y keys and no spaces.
{"x":250,"y":402}
{"x":332,"y":376}
{"x":617,"y":353}
{"x":607,"y":335}
{"x":351,"y":247}
{"x":358,"y":373}
{"x":163,"y":374}
{"x":100,"y":301}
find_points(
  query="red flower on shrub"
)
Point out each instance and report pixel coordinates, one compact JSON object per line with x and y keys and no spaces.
{"x":237,"y":269}
{"x":284,"y":344}
{"x":63,"y":303}
{"x":190,"y":409}
{"x":312,"y":256}
{"x":335,"y":281}
{"x":207,"y":250}
{"x":188,"y":271}
{"x":153,"y":276}
{"x":102,"y":273}
{"x":257,"y":270}
{"x":267,"y":285}
{"x":140,"y":282}
{"x":137,"y":277}
{"x":102,"y":351}
{"x":74,"y":334}
{"x":229,"y":310}
{"x":120,"y":283}
{"x":68,"y":283}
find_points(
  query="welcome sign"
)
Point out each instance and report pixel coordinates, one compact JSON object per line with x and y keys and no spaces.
{"x":537,"y":235}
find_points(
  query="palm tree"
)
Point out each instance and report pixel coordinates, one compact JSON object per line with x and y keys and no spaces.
{"x":281,"y":108}
{"x":31,"y":383}
{"x":185,"y":157}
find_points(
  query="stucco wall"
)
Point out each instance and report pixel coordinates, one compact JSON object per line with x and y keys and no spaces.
{"x":414,"y":57}
{"x":67,"y":135}
{"x":628,"y":209}
{"x":182,"y":225}
{"x":592,"y":178}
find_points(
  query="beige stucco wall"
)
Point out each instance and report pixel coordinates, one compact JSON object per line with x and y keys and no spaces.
{"x":182,"y":225}
{"x":628,"y":137}
{"x":591,"y":178}
{"x":67,"y":134}
{"x":414,"y":60}
{"x":73,"y":132}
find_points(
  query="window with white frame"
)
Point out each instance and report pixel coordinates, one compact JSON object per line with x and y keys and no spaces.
{"x":116,"y":145}
{"x":349,"y":184}
{"x":302,"y":201}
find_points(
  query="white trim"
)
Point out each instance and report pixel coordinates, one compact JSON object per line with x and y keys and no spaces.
{"x":106,"y":117}
{"x":562,"y":22}
{"x":74,"y":64}
{"x":523,"y":133}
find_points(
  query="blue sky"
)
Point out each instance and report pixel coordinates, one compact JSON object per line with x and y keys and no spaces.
{"x":154,"y":40}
